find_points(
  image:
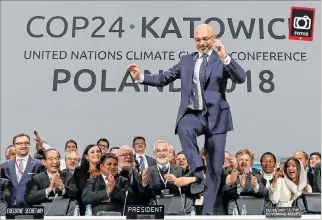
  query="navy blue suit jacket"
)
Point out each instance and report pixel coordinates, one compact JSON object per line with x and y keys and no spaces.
{"x":217,"y":73}
{"x":34,"y":166}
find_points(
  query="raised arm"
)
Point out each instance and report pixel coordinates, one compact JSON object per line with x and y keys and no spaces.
{"x":157,"y":80}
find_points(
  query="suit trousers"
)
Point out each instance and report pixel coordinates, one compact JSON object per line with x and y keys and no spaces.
{"x":192,"y":125}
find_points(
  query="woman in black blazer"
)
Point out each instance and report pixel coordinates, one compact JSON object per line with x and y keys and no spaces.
{"x":89,"y":168}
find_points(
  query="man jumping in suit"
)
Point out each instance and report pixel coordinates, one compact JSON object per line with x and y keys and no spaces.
{"x":203,"y":109}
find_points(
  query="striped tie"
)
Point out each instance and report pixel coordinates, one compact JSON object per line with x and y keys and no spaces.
{"x":142,"y":165}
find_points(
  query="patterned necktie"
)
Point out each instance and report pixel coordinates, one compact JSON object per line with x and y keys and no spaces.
{"x":21,"y":169}
{"x":21,"y":166}
{"x":202,"y":71}
{"x":142,"y":165}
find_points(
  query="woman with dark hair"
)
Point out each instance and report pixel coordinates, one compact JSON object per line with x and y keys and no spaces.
{"x":181,"y":161}
{"x":284,"y":191}
{"x":89,"y":167}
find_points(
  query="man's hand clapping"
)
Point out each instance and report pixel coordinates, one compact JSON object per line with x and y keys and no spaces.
{"x":110,"y":184}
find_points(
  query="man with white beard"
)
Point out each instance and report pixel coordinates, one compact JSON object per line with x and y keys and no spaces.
{"x":126,"y":169}
{"x":163,"y":175}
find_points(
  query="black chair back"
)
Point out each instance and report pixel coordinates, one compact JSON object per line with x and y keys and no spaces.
{"x":309,"y":203}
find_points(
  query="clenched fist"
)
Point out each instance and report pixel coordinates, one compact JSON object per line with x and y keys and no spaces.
{"x":134,"y":71}
{"x":220,"y":49}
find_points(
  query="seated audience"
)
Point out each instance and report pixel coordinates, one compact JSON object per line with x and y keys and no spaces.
{"x":226,"y":160}
{"x":163,"y":175}
{"x":139,"y":146}
{"x":10,"y":152}
{"x":317,"y":178}
{"x":46,"y":184}
{"x":72,"y":161}
{"x":181,"y":161}
{"x":172,"y":154}
{"x":136,"y":181}
{"x":5,"y":193}
{"x":70,"y":146}
{"x":248,"y":182}
{"x":304,"y":158}
{"x":315,"y":158}
{"x":268,"y":162}
{"x":284,"y":191}
{"x":107,"y":191}
{"x":90,"y":167}
{"x":115,"y":150}
{"x":104,"y":144}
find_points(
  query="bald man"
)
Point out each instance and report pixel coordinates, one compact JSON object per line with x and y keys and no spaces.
{"x":203,"y":108}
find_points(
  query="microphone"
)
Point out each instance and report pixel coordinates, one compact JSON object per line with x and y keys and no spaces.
{"x":56,"y":195}
{"x":125,"y":201}
{"x":182,"y":202}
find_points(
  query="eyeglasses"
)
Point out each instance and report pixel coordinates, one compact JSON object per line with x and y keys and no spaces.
{"x":127,"y":155}
{"x":23,"y":143}
{"x":52,"y":159}
{"x":197,"y":40}
{"x":75,"y":159}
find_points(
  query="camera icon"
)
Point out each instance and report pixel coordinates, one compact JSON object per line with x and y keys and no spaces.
{"x":302,"y":23}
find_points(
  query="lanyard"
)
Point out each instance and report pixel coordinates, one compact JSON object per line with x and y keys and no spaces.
{"x":164,"y":182}
{"x":20,"y":171}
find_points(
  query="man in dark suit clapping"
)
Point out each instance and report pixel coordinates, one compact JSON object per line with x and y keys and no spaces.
{"x":107,"y":191}
{"x":138,"y":182}
{"x":46,"y":184}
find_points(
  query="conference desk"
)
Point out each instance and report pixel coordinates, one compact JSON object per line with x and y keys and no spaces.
{"x":201,"y":217}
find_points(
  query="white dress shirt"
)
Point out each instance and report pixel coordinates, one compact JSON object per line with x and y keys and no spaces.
{"x":267,"y":177}
{"x":196,"y":80}
{"x":226,"y":61}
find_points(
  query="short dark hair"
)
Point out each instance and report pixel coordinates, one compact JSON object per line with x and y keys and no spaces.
{"x":84,"y":165}
{"x":107,"y":156}
{"x":268,"y":153}
{"x":71,"y":141}
{"x":316,"y":153}
{"x":7,"y":149}
{"x":180,"y":152}
{"x":19,"y":135}
{"x":50,"y":149}
{"x":138,"y":138}
{"x":112,"y":148}
{"x":105,"y":140}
